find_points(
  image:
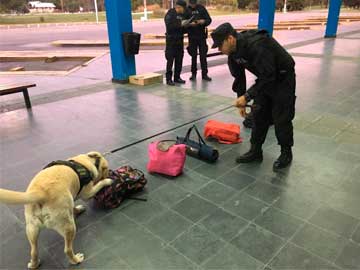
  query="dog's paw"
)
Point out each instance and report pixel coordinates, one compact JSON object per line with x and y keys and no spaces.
{"x":78,"y":258}
{"x":33,"y":265}
{"x":108,"y":181}
{"x":79,"y":209}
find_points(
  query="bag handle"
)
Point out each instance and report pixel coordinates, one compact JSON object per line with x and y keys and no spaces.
{"x":187,"y":137}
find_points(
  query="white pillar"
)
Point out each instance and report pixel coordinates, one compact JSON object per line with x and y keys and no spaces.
{"x":285,"y":7}
{"x":145,"y":11}
{"x":96,"y":11}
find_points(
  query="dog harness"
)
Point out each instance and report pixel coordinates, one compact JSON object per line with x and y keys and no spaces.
{"x":85,"y":176}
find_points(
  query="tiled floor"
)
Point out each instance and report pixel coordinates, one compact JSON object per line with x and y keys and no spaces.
{"x":214,"y":216}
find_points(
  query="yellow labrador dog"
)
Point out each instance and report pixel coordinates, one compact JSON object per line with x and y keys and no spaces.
{"x":49,"y":199}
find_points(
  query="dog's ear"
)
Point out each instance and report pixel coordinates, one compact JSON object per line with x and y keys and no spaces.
{"x":94,"y":155}
{"x":100,"y":163}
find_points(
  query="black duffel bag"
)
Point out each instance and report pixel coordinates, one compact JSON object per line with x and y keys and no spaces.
{"x":198,"y":149}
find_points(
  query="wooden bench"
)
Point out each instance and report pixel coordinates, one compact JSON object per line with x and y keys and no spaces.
{"x":8,"y":89}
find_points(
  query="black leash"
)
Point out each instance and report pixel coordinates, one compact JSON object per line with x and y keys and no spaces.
{"x":166,"y":131}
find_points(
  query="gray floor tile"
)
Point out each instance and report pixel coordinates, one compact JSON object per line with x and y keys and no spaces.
{"x":191,"y":180}
{"x":142,"y":250}
{"x":9,"y":224}
{"x":213,"y":171}
{"x":15,"y":254}
{"x":236,"y":180}
{"x":224,"y":224}
{"x":349,"y":257}
{"x":163,"y":258}
{"x":168,"y":225}
{"x":88,"y":242}
{"x":143,"y":211}
{"x":351,"y":186}
{"x":356,"y":236}
{"x":198,"y":244}
{"x":216,"y":193}
{"x":106,"y":259}
{"x":319,"y":242}
{"x":301,"y":208}
{"x":265,"y":192}
{"x":278,"y":222}
{"x":334,"y":221}
{"x":259,"y":243}
{"x":194,"y":208}
{"x":292,"y":257}
{"x":245,"y":206}
{"x":169,"y":194}
{"x":154,"y":182}
{"x":346,"y":203}
{"x":230,"y":258}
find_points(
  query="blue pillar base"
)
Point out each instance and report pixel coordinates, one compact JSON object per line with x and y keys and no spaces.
{"x":120,"y":81}
{"x":333,"y":18}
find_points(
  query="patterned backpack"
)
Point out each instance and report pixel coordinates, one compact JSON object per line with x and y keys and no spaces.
{"x":127,"y":181}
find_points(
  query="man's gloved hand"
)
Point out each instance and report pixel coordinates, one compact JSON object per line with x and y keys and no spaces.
{"x":241,"y":104}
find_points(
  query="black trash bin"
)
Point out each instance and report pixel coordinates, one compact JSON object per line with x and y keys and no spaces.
{"x":131,"y":41}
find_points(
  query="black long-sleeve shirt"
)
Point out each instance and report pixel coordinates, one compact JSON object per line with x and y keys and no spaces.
{"x":199,"y":13}
{"x":263,"y":56}
{"x":174,"y":30}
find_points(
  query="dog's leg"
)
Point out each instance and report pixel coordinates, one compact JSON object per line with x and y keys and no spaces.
{"x":78,"y":210}
{"x":32,"y":233}
{"x":69,"y":236}
{"x":90,"y":191}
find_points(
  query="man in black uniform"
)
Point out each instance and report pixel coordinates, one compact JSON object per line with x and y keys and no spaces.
{"x":175,"y":24}
{"x":273,"y":92}
{"x":197,"y":38}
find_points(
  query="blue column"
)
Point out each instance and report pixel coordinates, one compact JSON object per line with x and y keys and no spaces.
{"x":119,"y":20}
{"x":333,"y":18}
{"x":266,"y":15}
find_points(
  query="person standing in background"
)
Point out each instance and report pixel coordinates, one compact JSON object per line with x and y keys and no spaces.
{"x":174,"y":52}
{"x":197,"y":33}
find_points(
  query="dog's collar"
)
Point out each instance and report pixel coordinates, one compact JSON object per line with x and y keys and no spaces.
{"x":85,"y":175}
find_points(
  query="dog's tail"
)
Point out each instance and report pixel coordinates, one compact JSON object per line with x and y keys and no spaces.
{"x":14,"y":197}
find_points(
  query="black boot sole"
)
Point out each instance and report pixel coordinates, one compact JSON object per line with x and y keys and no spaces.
{"x":282,"y":167}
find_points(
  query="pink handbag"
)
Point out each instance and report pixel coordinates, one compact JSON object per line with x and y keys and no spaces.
{"x":165,"y":158}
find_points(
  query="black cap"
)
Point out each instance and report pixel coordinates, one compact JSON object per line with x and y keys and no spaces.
{"x":193,"y":2}
{"x":181,"y":3}
{"x":221,"y":33}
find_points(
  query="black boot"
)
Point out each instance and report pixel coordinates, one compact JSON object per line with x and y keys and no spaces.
{"x":206,"y":78}
{"x":179,"y":80}
{"x":254,"y":154}
{"x":193,"y":77}
{"x":170,"y":82}
{"x":284,"y":159}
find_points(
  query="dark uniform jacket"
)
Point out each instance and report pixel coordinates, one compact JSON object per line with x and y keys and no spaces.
{"x":174,"y":31}
{"x":199,"y":13}
{"x":263,"y":56}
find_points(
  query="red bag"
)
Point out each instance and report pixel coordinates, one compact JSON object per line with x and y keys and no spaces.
{"x":227,"y":133}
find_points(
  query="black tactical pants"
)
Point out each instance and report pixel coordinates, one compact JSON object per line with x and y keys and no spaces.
{"x":174,"y":52}
{"x":275,"y":106}
{"x":196,"y":44}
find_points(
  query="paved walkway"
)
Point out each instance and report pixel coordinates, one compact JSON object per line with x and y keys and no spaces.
{"x":214,"y":216}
